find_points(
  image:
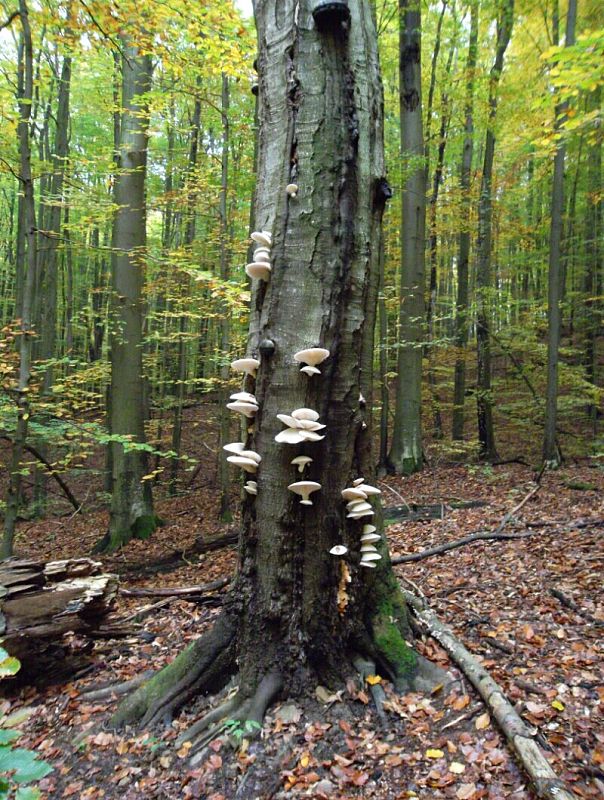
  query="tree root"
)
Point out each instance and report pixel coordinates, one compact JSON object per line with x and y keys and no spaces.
{"x":207,"y":663}
{"x":365,"y":668}
{"x":103,"y":692}
{"x":545,"y":781}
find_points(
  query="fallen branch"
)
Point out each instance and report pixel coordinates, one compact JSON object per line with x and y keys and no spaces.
{"x":546,"y":783}
{"x":115,"y":689}
{"x":566,"y":601}
{"x":484,"y":536}
{"x":479,"y":536}
{"x":178,"y":591}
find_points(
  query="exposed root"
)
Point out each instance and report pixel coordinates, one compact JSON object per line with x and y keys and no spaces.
{"x":113,"y":689}
{"x":366,"y":668}
{"x":206,"y":664}
{"x":221,"y":712}
{"x":268,"y":689}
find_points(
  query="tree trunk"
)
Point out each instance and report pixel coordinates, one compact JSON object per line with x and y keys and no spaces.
{"x":292,"y":618}
{"x":28,"y":270}
{"x":461,"y":303}
{"x":131,"y":502}
{"x":406,"y":453}
{"x":484,"y":398}
{"x":551,"y":453}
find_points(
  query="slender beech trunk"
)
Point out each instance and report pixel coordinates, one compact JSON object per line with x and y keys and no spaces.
{"x":320,"y":115}
{"x":131,"y":501}
{"x":28,"y":270}
{"x":383,"y":366}
{"x":484,"y":288}
{"x":551,"y":452}
{"x":406,"y":453}
{"x":225,"y":374}
{"x":593,"y":235}
{"x":461,"y":301}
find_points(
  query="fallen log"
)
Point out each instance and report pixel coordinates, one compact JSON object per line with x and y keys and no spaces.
{"x":546,"y":783}
{"x":40,"y":603}
{"x":178,"y":591}
{"x":481,"y":536}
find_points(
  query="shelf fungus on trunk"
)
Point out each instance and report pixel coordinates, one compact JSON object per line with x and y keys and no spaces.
{"x":297,"y":616}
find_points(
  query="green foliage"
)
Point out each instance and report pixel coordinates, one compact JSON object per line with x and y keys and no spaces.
{"x":17,"y":765}
{"x":238,"y":729}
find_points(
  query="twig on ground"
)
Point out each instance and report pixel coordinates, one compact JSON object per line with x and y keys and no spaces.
{"x":566,"y":601}
{"x":178,"y":591}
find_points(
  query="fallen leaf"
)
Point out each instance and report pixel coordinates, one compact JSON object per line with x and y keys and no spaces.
{"x":482,"y":722}
{"x":456,"y":768}
{"x":466,"y":791}
{"x":434,"y":754}
{"x":558,"y":705}
{"x":373,"y":679}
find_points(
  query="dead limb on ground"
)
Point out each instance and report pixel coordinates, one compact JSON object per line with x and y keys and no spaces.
{"x":544,"y":780}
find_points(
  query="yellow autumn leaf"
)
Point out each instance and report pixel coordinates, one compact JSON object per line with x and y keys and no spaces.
{"x":373,"y":679}
{"x":434,"y":754}
{"x":482,"y":722}
{"x":457,"y":768}
{"x":558,"y":705}
{"x":305,"y":760}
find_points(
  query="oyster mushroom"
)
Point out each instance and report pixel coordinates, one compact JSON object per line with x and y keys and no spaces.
{"x":358,"y":481}
{"x":311,"y":357}
{"x":248,"y":464}
{"x":370,"y":557}
{"x":260,"y":270}
{"x":234,"y":447}
{"x":339,"y":550}
{"x":262,"y":254}
{"x":292,"y":189}
{"x":310,"y":370}
{"x":364,"y":487}
{"x":247,"y":409}
{"x":263,"y":238}
{"x":301,"y":462}
{"x":244,"y":397}
{"x":370,"y":564}
{"x":353,"y":494}
{"x":368,"y":548}
{"x":369,"y":529}
{"x":358,"y":505}
{"x":251,"y":487}
{"x":247,"y":365}
{"x":370,"y":537}
{"x":304,"y":489}
{"x":305,"y":413}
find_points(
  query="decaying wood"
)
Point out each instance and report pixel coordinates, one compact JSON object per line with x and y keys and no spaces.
{"x":41,"y":602}
{"x":179,"y":591}
{"x":545,"y":781}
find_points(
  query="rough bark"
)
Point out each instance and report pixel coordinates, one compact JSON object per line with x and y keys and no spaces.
{"x":551,"y":452}
{"x":406,"y":453}
{"x":320,"y":117}
{"x":131,"y":502}
{"x":461,"y":302}
{"x":484,"y":398}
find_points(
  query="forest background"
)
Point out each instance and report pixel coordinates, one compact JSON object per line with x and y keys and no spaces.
{"x":193,"y":294}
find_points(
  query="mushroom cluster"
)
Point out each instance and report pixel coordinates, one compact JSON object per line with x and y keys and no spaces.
{"x":244,"y":403}
{"x":310,"y":358}
{"x":246,"y":459}
{"x":369,"y":553}
{"x":261,"y":265}
{"x":302,"y":426}
{"x":247,"y":365}
{"x":356,"y":497}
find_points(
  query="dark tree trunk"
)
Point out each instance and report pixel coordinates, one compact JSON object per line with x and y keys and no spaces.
{"x":131,"y":502}
{"x":461,"y":303}
{"x":551,"y":453}
{"x":292,"y":619}
{"x":484,"y":397}
{"x":406,"y":452}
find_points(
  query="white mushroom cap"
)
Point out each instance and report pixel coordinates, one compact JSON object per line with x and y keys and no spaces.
{"x":370,"y":557}
{"x":353,"y":494}
{"x":289,"y":436}
{"x":291,"y":422}
{"x":370,"y":564}
{"x":247,"y":365}
{"x":247,"y":409}
{"x":364,"y":487}
{"x":338,"y":550}
{"x":310,"y":436}
{"x":248,"y":464}
{"x":358,"y":505}
{"x":245,"y":397}
{"x":258,"y":269}
{"x":301,"y":462}
{"x":234,"y":447}
{"x":359,"y":514}
{"x":369,"y":529}
{"x":251,"y":454}
{"x":358,"y":481}
{"x":292,"y":189}
{"x":304,"y":489}
{"x":251,"y":487}
{"x":262,"y":237}
{"x":368,"y":548}
{"x":312,"y":356}
{"x":370,"y":537}
{"x":310,"y":425}
{"x":305,"y":413}
{"x":262,"y":254}
{"x":310,"y":370}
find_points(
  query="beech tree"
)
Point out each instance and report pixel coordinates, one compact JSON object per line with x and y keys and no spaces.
{"x":298,"y":614}
{"x":131,"y":500}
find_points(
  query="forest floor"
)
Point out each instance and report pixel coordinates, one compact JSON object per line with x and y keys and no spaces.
{"x":495,"y":595}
